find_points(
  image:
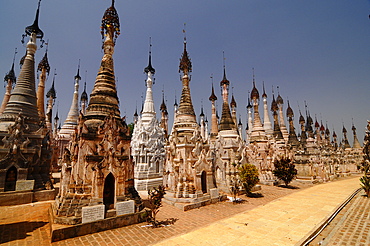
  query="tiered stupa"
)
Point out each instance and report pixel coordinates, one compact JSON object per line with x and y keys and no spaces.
{"x":147,"y":144}
{"x":25,"y":148}
{"x":98,"y":172}
{"x":64,"y":135}
{"x":188,"y":173}
{"x":228,"y":146}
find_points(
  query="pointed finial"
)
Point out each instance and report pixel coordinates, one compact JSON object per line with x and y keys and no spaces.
{"x":249,"y":101}
{"x":34,"y":28}
{"x":15,"y":52}
{"x":44,"y":63}
{"x":175,"y":104}
{"x":224,"y":79}
{"x":305,"y":106}
{"x":52,"y":93}
{"x":56,"y":118}
{"x":11,"y":74}
{"x":212,"y":97}
{"x":78,"y":71}
{"x":110,"y":23}
{"x":254,"y":83}
{"x":185,"y":62}
{"x":184,"y":31}
{"x":264,"y":95}
{"x":201,"y":108}
{"x":150,"y":68}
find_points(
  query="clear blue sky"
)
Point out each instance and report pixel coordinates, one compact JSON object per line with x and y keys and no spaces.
{"x":315,"y":51}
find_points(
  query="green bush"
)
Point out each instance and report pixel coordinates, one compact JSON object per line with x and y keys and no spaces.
{"x":248,"y":175}
{"x":284,"y":170}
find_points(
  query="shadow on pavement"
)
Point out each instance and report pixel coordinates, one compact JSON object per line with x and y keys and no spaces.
{"x":289,"y":187}
{"x":19,"y":230}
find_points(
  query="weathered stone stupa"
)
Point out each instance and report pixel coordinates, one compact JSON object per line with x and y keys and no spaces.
{"x":188,"y":174}
{"x":98,"y":172}
{"x":228,"y":146}
{"x":25,"y":147}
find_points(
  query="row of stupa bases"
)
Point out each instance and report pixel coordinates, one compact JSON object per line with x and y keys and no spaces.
{"x":103,"y":166}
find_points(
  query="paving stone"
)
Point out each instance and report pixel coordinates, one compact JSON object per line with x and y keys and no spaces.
{"x":30,"y":222}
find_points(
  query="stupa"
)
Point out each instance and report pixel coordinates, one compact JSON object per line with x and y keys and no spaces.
{"x":25,"y":147}
{"x":98,"y":173}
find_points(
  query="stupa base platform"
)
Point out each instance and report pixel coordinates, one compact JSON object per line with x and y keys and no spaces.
{"x":60,"y":232}
{"x":193,"y":201}
{"x":11,"y":198}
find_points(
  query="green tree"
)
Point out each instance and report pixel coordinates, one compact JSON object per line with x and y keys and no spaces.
{"x":284,"y":170}
{"x":131,"y":128}
{"x":248,"y":175}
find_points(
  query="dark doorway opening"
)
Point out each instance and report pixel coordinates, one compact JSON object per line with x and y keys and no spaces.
{"x":10,"y":179}
{"x":204,"y":182}
{"x":108,"y":192}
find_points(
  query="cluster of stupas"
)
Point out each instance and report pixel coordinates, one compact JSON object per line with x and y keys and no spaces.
{"x":103,"y":164}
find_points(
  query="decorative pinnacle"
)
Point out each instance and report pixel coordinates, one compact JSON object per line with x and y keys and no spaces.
{"x":44,"y":63}
{"x":11,"y":74}
{"x":185,"y":63}
{"x":175,"y":104}
{"x":78,"y":71}
{"x":224,"y":79}
{"x":213,"y":97}
{"x":150,"y":68}
{"x":34,"y":28}
{"x":254,"y":94}
{"x":110,"y":23}
{"x":279,"y":99}
{"x":52,"y":93}
{"x":163,"y":106}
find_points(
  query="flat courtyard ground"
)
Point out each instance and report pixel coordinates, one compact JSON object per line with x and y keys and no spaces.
{"x":28,"y":224}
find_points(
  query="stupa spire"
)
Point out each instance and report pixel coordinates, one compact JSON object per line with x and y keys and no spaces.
{"x":226,"y":122}
{"x":84,"y":98}
{"x":186,"y":106}
{"x":9,"y":80}
{"x":356,"y":143}
{"x":44,"y":68}
{"x":103,"y":99}
{"x":71,"y":121}
{"x":148,"y":112}
{"x":214,"y":123}
{"x":51,"y":95}
{"x":23,"y":97}
{"x":266,"y":118}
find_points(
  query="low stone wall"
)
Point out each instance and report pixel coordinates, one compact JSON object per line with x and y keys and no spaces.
{"x":61,"y":232}
{"x":12,"y":198}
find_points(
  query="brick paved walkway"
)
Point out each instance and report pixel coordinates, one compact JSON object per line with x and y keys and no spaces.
{"x":27,"y":224}
{"x":351,"y":227}
{"x":285,"y":221}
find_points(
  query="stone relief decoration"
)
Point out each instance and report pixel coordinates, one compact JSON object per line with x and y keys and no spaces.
{"x":15,"y":142}
{"x":148,"y":152}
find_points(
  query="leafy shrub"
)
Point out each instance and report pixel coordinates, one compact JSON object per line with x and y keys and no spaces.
{"x":284,"y":170}
{"x":248,"y":175}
